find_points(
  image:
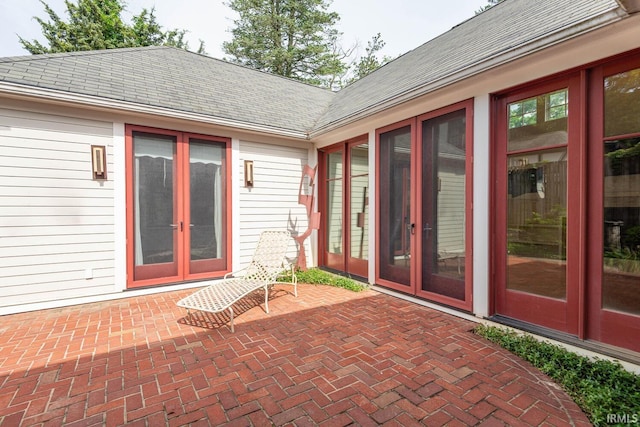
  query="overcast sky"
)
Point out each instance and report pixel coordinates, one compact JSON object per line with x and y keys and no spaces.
{"x":404,"y":24}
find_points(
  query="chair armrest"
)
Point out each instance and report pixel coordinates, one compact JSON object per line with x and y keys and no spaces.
{"x":233,"y":273}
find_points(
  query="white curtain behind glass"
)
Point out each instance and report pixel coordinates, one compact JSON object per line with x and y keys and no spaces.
{"x":147,"y":146}
{"x":208,"y":154}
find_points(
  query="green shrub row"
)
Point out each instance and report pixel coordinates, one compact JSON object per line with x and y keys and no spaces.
{"x":315,"y":276}
{"x":600,"y":387}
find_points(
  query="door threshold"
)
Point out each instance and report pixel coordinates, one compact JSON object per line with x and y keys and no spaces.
{"x":443,"y":308}
{"x":592,"y":348}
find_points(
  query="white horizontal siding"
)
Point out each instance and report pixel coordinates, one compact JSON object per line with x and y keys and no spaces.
{"x":58,"y":249}
{"x":43,"y":201}
{"x":28,"y":285}
{"x":54,"y":220}
{"x":451,"y":212}
{"x":43,"y":264}
{"x":272,"y":203}
{"x":77,"y":289}
{"x":56,"y":223}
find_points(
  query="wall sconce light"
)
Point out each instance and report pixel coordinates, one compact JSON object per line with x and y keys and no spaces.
{"x":99,"y":162}
{"x":248,"y":173}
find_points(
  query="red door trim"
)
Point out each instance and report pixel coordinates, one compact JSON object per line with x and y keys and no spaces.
{"x":548,"y":312}
{"x":582,"y":175}
{"x":467,"y":304}
{"x":416,"y":203}
{"x":217,"y":266}
{"x":607,"y":326}
{"x":357,"y":266}
{"x":384,"y":282}
{"x":162,"y":273}
{"x":328,"y":259}
{"x":342,"y":262}
{"x":148,"y":273}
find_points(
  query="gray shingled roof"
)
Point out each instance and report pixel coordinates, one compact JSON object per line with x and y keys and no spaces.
{"x":187,"y":82}
{"x":175,"y":79}
{"x":503,"y":28}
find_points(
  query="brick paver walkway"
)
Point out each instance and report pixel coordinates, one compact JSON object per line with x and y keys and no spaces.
{"x":329,"y":357}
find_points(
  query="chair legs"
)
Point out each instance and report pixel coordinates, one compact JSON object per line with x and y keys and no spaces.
{"x":294,"y":281}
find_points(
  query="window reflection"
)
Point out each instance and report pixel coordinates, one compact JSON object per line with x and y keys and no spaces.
{"x":359,"y":201}
{"x":443,"y":204}
{"x":621,"y":251}
{"x":538,"y":122}
{"x":395,"y":207}
{"x":622,"y":103}
{"x":536,"y":233}
{"x":537,"y":195}
{"x":334,"y":203}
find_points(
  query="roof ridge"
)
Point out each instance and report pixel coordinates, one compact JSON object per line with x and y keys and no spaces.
{"x":80,"y":53}
{"x":43,"y":56}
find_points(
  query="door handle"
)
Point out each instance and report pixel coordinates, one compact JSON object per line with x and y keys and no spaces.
{"x":426,"y":230}
{"x":181,"y":224}
{"x":413,"y":228}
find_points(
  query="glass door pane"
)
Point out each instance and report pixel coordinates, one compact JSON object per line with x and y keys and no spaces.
{"x":359,"y":201}
{"x":443,"y":204}
{"x":536,"y":223}
{"x":334,"y":203}
{"x":334,"y":233}
{"x":537,"y":195}
{"x":621,"y":252}
{"x":156,"y":225}
{"x":395,"y":207}
{"x":206,"y":206}
{"x":358,"y":207}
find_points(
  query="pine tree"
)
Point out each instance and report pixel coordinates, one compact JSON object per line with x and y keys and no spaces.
{"x":291,"y":38}
{"x":96,"y":25}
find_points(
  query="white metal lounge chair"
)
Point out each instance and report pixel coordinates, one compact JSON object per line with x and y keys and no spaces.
{"x":267,"y":264}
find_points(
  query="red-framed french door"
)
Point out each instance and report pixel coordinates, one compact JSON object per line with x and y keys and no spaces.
{"x":566,"y":194}
{"x":613,"y":272}
{"x":395,"y":170}
{"x":344,"y":201}
{"x":177,"y":206}
{"x":538,"y":194}
{"x":424,"y":226}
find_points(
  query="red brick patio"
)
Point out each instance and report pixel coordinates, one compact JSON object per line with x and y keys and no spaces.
{"x":329,"y":357}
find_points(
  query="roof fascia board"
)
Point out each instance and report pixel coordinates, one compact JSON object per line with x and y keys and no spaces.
{"x":49,"y":95}
{"x":535,"y":45}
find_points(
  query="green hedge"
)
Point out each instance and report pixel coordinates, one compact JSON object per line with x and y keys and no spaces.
{"x":315,"y":276}
{"x":603,"y":389}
